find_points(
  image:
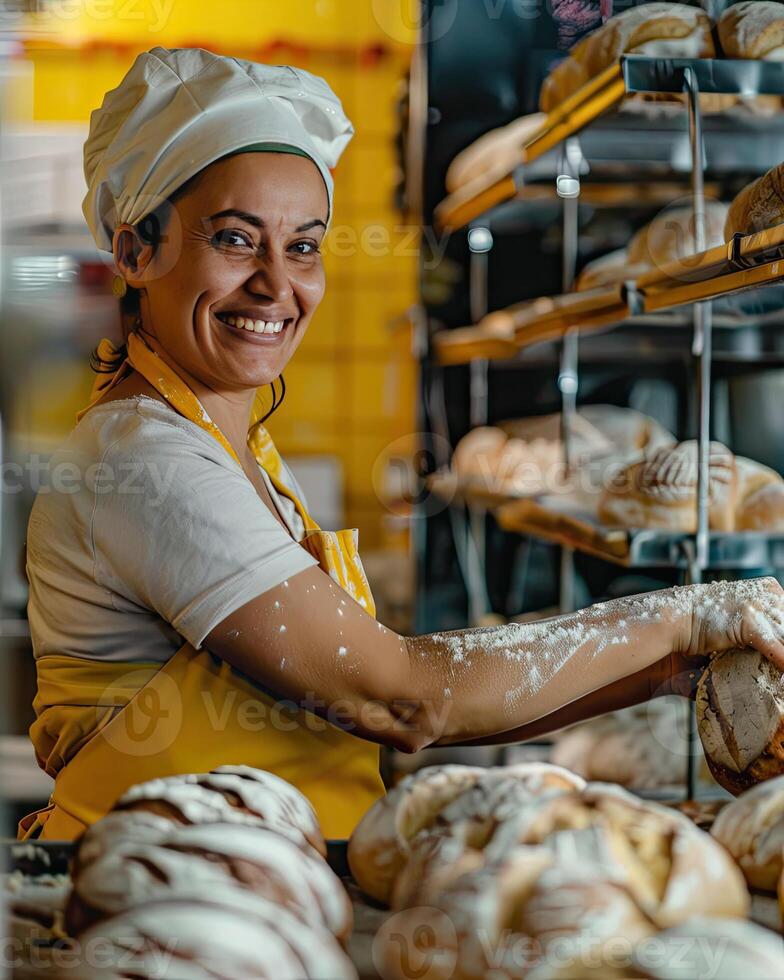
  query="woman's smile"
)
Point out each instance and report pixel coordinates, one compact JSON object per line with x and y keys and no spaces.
{"x":265,"y":331}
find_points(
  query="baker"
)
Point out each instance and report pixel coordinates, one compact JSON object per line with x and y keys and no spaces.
{"x":185,"y":609}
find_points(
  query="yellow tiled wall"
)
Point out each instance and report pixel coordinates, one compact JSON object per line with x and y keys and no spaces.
{"x":350,"y":388}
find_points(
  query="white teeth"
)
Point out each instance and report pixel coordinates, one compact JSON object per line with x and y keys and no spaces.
{"x":255,"y":326}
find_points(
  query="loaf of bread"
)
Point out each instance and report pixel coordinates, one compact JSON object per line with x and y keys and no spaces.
{"x":229,"y":794}
{"x":753,"y":29}
{"x":494,"y":154}
{"x":760,"y":205}
{"x":198,"y":858}
{"x":661,"y":491}
{"x":505,"y":919}
{"x":565,"y":79}
{"x":762,"y":510}
{"x":740,"y":717}
{"x":639,"y":751}
{"x":659,"y":30}
{"x":666,"y":30}
{"x":752,"y":830}
{"x":381,"y":844}
{"x":672,"y":869}
{"x":225,"y":934}
{"x":455,"y":843}
{"x":487,"y":459}
{"x":671,"y":236}
{"x":607,"y":270}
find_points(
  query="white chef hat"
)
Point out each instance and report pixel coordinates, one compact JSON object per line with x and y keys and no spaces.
{"x":177,"y":111}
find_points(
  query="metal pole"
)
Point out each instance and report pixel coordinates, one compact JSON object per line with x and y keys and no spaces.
{"x":480,"y":243}
{"x":568,"y":189}
{"x":702,"y":350}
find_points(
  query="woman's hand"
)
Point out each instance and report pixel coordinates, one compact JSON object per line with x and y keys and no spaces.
{"x":724,"y":615}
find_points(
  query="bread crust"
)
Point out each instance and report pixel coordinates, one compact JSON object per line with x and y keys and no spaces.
{"x":752,"y":29}
{"x":760,"y":205}
{"x":740,"y":718}
{"x":661,"y":491}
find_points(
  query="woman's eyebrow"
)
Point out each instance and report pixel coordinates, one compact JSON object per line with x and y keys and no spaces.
{"x":254,"y":219}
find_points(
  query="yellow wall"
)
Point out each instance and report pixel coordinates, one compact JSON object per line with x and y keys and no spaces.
{"x":350,"y":389}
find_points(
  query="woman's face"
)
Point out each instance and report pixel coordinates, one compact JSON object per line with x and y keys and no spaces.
{"x":232,"y":287}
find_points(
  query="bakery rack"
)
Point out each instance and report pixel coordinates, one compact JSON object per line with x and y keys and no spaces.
{"x":745,"y":263}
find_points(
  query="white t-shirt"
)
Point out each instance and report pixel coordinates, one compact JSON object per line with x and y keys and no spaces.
{"x":148,"y":534}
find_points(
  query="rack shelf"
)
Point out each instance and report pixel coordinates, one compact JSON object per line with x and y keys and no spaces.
{"x":744,"y":263}
{"x":638,"y":548}
{"x":635,"y":74}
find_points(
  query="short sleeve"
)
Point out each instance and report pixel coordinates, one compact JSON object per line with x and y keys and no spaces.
{"x":181,"y":530}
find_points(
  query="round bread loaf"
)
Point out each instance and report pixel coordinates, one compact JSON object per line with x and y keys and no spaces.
{"x":478,"y":452}
{"x":762,"y":510}
{"x":672,"y":869}
{"x":455,"y":841}
{"x":380,"y":846}
{"x":758,"y":206}
{"x":666,"y":30}
{"x":607,"y":270}
{"x":671,"y":237}
{"x":752,"y":830}
{"x":229,"y":794}
{"x":191,"y":859}
{"x":753,"y":29}
{"x":494,"y":153}
{"x":507,"y":917}
{"x":226,"y":935}
{"x":740,"y":718}
{"x":660,"y":30}
{"x":661,"y":491}
{"x":564,"y":80}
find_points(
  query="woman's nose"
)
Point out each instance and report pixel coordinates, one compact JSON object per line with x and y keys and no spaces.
{"x":271,"y":278}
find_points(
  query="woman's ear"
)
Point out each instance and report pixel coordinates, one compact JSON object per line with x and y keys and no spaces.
{"x":132,"y":255}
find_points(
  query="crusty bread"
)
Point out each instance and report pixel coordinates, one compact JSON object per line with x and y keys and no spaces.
{"x":564,"y":80}
{"x":669,"y":866}
{"x":760,"y":205}
{"x":436,"y":799}
{"x":657,"y":29}
{"x":673,"y":30}
{"x":740,"y":717}
{"x":753,"y":29}
{"x":494,"y":153}
{"x":661,"y":491}
{"x":229,"y":794}
{"x":504,"y":919}
{"x":224,"y":934}
{"x":187,"y":859}
{"x":671,"y":236}
{"x":456,"y":841}
{"x":752,"y":830}
{"x":762,"y":510}
{"x":607,"y":270}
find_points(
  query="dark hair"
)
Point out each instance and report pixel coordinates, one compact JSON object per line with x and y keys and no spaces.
{"x":150,"y":231}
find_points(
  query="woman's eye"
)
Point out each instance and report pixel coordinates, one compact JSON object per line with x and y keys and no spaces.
{"x":305,"y":248}
{"x":230,"y":236}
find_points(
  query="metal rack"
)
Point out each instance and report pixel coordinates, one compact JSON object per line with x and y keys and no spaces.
{"x":744,"y":263}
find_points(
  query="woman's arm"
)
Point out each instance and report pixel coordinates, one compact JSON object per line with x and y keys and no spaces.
{"x":309,"y":642}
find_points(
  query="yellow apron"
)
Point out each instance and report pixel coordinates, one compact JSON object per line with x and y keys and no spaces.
{"x":102,"y":727}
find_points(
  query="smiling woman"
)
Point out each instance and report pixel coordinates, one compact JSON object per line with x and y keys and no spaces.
{"x":199,"y":616}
